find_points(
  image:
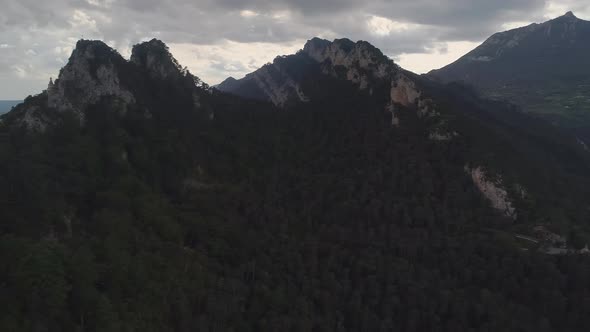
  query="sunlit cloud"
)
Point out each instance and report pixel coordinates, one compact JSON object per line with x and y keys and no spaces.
{"x":382,"y":26}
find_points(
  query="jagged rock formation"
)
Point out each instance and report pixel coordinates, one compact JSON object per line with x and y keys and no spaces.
{"x":96,"y":71}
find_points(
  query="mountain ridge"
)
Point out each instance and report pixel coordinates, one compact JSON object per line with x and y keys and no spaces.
{"x":96,"y":75}
{"x":382,"y":201}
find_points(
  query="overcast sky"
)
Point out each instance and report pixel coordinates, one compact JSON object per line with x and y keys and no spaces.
{"x":221,"y":38}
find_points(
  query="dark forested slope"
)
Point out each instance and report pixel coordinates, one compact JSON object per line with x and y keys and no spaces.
{"x":162,"y":205}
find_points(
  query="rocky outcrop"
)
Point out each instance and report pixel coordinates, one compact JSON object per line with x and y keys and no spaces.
{"x":91,"y":73}
{"x":493,"y":191}
{"x":404,"y":91}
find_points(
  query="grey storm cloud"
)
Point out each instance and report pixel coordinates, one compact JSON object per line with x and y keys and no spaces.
{"x":205,"y":21}
{"x":38,"y":35}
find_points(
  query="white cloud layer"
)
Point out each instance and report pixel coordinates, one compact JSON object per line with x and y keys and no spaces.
{"x":219,"y":38}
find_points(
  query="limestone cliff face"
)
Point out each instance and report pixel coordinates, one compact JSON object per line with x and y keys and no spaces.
{"x":493,"y":191}
{"x":404,"y":91}
{"x":91,"y":73}
{"x":362,"y":61}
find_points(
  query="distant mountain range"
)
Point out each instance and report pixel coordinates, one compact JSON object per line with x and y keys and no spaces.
{"x":6,"y":105}
{"x":544,"y":68}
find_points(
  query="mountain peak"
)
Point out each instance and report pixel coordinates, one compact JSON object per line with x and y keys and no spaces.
{"x":155,"y":56}
{"x":84,"y":44}
{"x":569,"y":14}
{"x":315,"y":43}
{"x":95,"y":50}
{"x":155,"y":43}
{"x":568,"y":17}
{"x":227,"y":85}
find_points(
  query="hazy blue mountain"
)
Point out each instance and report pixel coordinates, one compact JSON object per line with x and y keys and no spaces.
{"x":6,"y":105}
